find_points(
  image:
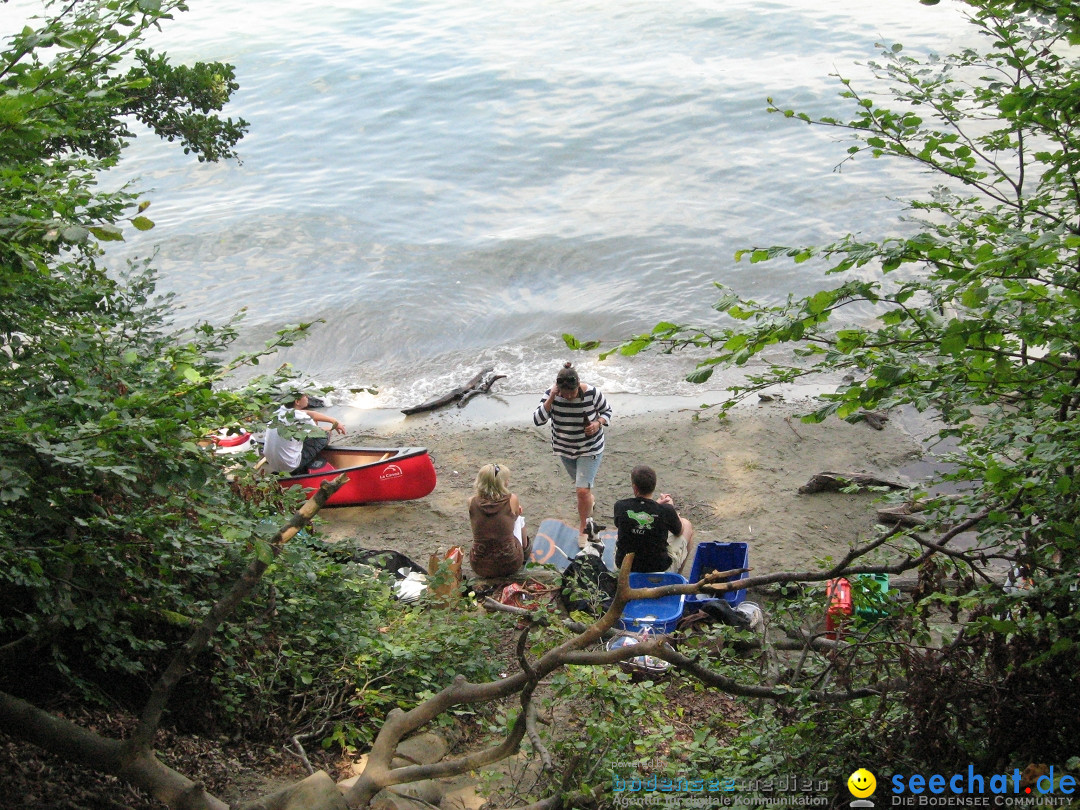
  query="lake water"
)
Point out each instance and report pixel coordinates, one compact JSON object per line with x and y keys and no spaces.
{"x":451,"y":184}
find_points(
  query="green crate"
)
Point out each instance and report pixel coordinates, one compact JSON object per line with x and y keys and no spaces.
{"x":869,"y":594}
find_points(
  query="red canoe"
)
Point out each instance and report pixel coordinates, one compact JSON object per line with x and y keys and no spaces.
{"x":375,"y":474}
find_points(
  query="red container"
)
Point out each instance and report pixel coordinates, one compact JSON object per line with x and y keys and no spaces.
{"x":839,"y":594}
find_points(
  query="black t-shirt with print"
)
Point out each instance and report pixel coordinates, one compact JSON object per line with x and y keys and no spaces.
{"x":643,"y":526}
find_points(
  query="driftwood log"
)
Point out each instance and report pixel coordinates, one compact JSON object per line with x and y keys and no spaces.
{"x":483,"y":388}
{"x":480,"y":384}
{"x":905,"y":514}
{"x":875,"y":419}
{"x":834,"y":482}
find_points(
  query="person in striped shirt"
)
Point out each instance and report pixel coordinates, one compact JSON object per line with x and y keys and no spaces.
{"x":578,"y":414}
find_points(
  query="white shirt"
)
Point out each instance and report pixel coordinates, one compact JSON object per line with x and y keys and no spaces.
{"x":282,"y":455}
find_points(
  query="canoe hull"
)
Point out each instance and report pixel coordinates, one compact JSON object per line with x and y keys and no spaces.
{"x":375,"y":475}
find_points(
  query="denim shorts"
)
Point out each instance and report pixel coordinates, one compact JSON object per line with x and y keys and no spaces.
{"x":582,"y":469}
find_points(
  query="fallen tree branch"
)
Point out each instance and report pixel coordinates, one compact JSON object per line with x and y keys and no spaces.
{"x":481,"y":383}
{"x":301,"y":754}
{"x":875,"y":419}
{"x":76,"y":744}
{"x":657,"y":647}
{"x":534,"y":738}
{"x":495,"y":606}
{"x":483,"y":388}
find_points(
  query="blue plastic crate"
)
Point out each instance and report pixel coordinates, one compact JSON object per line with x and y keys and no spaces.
{"x":719,"y":557}
{"x":660,"y":614}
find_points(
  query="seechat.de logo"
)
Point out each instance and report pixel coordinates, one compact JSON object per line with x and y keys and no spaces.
{"x":861,"y":783}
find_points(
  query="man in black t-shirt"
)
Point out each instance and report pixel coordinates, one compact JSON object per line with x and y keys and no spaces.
{"x":644,"y":524}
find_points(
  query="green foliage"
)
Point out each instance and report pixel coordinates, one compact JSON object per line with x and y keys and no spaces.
{"x":325,"y":651}
{"x":118,"y":528}
{"x":577,"y":345}
{"x":819,"y":743}
{"x":67,"y":95}
{"x":114,"y":515}
{"x":174,"y":101}
{"x":418,"y":652}
{"x":613,"y":720}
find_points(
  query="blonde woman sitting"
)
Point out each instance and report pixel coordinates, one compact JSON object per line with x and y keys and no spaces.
{"x":500,"y":545}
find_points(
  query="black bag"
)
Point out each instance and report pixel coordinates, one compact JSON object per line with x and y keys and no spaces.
{"x":387,"y":560}
{"x":587,"y":586}
{"x":721,"y":611}
{"x":714,"y":611}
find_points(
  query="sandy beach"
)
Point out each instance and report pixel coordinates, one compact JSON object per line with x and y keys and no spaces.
{"x":735,"y":479}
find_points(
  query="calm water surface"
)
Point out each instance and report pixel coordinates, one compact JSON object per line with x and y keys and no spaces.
{"x":451,"y":184}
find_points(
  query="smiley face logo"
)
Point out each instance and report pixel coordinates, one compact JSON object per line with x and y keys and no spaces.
{"x":861,"y":783}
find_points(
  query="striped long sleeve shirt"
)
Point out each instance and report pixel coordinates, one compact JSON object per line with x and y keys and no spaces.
{"x":568,"y":419}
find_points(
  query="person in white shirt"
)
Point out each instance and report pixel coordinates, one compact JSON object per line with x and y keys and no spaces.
{"x":294,"y":455}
